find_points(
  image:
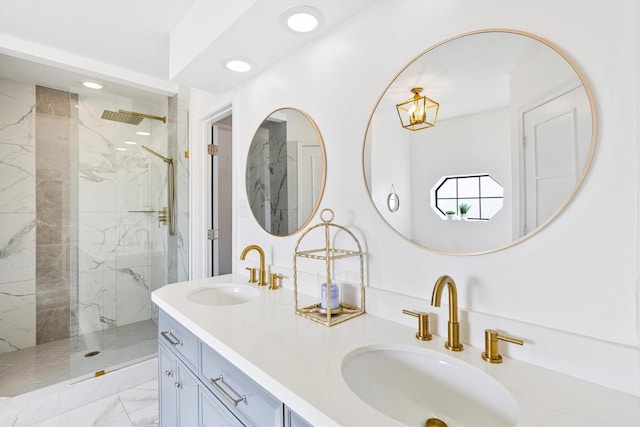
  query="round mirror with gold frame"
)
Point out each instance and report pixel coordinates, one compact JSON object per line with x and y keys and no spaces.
{"x":494,"y":152}
{"x":286,"y":171}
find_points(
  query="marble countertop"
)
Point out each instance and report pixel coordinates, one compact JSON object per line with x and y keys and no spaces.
{"x":299,"y":362}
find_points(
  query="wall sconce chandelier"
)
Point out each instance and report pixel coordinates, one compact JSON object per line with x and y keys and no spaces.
{"x":418,"y":112}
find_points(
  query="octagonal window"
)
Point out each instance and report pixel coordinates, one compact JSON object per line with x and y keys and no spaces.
{"x":482,"y":194}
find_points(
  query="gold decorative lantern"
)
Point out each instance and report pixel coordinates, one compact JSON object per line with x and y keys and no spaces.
{"x":418,"y":112}
{"x":330,"y":310}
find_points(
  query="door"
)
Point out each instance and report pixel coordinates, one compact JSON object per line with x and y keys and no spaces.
{"x":553,"y":148}
{"x":221,"y":197}
{"x":187,"y":389}
{"x":167,"y":378}
{"x":178,"y":391}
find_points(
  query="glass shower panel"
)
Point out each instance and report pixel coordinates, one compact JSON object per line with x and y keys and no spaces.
{"x":122,"y":251}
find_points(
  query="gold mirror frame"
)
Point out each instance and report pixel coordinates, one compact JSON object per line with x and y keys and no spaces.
{"x":580,"y":179}
{"x":253,"y":189}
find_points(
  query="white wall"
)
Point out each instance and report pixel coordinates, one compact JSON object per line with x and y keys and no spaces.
{"x":569,"y":291}
{"x":389,"y":162}
{"x":473,"y":144}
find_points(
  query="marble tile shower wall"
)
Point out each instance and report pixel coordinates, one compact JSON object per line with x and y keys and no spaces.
{"x":83,"y":224}
{"x":17,"y":216}
{"x":122,"y":250}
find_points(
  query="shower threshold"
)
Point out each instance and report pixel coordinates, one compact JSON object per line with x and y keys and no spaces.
{"x":36,"y":367}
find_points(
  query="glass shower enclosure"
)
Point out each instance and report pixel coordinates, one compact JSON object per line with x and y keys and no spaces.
{"x":84,"y":237}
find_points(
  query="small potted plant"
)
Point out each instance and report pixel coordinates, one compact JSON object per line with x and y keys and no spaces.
{"x":450,"y":214}
{"x":464,"y":208}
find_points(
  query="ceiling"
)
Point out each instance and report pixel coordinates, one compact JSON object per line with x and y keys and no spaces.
{"x":59,"y":43}
{"x":467,"y":74}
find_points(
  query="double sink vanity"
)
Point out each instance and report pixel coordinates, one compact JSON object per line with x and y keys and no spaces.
{"x":235,"y":350}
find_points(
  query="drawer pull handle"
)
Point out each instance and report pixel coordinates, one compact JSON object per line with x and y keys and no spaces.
{"x":178,"y":384}
{"x":168,"y":373}
{"x":168,"y":335}
{"x":234,"y":402}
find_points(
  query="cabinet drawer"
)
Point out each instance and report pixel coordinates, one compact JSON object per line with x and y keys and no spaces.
{"x":178,"y":339}
{"x":238,"y":392}
{"x":215,"y":414}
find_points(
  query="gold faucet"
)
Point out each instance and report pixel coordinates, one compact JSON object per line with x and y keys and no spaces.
{"x":491,"y":353}
{"x":263,"y":272}
{"x":453,"y":343}
{"x":274,"y":281}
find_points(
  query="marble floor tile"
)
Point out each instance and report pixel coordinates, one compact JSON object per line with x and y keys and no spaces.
{"x":137,"y":406}
{"x":141,"y":404}
{"x":105,"y":412}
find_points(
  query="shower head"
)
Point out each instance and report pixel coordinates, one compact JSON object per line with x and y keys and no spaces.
{"x":129,"y":117}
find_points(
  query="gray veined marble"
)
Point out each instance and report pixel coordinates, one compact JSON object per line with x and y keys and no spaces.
{"x":132,"y":289}
{"x":17,"y":315}
{"x":17,"y":115}
{"x":16,"y":243}
{"x":17,"y":169}
{"x":17,"y":247}
{"x":137,"y":278}
{"x":26,"y":118}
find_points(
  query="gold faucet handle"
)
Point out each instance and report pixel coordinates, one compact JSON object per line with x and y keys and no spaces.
{"x":253,"y":274}
{"x":274,"y":281}
{"x":423,"y":324}
{"x":491,"y":352}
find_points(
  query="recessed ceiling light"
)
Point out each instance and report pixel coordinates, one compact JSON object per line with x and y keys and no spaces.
{"x":143,"y":133}
{"x":302,"y":19}
{"x":130,"y":142}
{"x":92,"y":85}
{"x":239,"y":65}
{"x":121,"y":149}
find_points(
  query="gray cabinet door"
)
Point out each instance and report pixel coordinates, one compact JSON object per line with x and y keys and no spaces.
{"x":178,"y":390}
{"x":167,"y":377}
{"x":188,"y":390}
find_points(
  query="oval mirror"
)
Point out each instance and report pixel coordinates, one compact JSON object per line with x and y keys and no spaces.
{"x":505,"y":132}
{"x":286,"y":169}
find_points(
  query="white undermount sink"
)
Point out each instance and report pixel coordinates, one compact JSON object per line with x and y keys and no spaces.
{"x":412,"y":384}
{"x":224,"y":294}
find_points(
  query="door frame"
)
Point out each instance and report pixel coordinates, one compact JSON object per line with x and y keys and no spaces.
{"x":200,"y":185}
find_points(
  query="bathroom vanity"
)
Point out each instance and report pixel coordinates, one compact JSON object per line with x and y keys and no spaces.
{"x":253,"y":361}
{"x":197,"y":386}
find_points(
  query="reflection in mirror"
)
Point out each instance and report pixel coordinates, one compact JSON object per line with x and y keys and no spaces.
{"x":510,"y":106}
{"x":286,"y":171}
{"x":393,"y":201}
{"x":481,"y":193}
